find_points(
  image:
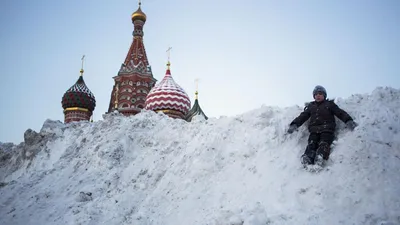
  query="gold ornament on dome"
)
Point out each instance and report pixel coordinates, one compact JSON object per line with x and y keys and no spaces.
{"x":139,"y":14}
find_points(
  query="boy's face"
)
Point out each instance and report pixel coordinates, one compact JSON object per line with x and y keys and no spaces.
{"x":319,"y":97}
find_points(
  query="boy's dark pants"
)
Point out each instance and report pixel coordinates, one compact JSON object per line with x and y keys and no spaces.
{"x":319,"y":143}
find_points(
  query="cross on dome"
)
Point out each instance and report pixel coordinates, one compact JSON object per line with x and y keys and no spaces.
{"x":81,"y":71}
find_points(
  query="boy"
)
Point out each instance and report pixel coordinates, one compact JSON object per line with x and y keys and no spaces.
{"x":322,"y":125}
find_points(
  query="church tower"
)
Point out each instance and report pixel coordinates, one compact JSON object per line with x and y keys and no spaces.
{"x":196,"y":110}
{"x":78,"y":101}
{"x":135,"y":78}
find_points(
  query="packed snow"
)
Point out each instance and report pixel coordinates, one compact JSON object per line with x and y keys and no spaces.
{"x":243,"y":170}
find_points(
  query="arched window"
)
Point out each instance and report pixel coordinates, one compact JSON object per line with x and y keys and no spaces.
{"x":127,"y":90}
{"x":141,"y":91}
{"x":123,"y":97}
{"x":125,"y":106}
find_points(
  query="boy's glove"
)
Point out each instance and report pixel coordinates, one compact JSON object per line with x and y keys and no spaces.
{"x":351,"y":124}
{"x":292,"y":128}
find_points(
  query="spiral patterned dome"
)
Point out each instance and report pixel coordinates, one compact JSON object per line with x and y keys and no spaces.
{"x":168,"y":95}
{"x":80,"y":96}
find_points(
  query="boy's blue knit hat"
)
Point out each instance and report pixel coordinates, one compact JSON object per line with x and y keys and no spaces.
{"x":321,"y":89}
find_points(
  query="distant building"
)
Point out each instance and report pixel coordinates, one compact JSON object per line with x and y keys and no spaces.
{"x":134,"y":87}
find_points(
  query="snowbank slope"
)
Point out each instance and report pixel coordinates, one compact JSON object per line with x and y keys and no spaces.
{"x":150,"y":169}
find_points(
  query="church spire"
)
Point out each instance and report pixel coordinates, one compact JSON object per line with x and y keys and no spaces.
{"x":135,"y":78}
{"x":196,"y":109}
{"x":136,"y":59}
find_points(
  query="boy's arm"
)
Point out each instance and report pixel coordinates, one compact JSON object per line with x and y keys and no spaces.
{"x":303,"y":117}
{"x":340,"y":113}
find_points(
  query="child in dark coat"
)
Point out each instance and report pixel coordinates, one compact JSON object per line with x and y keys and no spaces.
{"x":321,"y":113}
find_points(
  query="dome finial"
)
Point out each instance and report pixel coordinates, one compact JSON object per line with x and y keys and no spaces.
{"x":169,"y":55}
{"x":168,"y":66}
{"x":82,"y":59}
{"x":138,"y":14}
{"x":197,"y":89}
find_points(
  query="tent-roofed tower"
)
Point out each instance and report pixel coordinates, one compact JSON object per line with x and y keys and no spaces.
{"x":196,"y":110}
{"x":135,"y":78}
{"x":78,"y":101}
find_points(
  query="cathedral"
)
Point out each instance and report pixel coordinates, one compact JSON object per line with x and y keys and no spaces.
{"x":135,"y":87}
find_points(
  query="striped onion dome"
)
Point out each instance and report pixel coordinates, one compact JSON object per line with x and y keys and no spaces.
{"x":79,"y":95}
{"x":168,"y":95}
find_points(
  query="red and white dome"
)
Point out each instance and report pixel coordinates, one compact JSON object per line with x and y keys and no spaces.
{"x":168,"y":97}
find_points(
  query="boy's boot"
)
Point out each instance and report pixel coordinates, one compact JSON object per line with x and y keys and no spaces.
{"x":319,"y":160}
{"x":322,"y":153}
{"x":305,"y":160}
{"x":308,"y":157}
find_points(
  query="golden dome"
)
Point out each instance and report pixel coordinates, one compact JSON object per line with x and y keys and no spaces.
{"x":139,"y":15}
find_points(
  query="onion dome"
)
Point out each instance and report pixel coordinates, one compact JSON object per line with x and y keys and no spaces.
{"x":196,"y":110}
{"x":139,"y":15}
{"x":79,"y":95}
{"x":169,"y":97}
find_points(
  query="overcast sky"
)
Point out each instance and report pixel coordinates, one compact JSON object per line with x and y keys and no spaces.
{"x":245,"y":53}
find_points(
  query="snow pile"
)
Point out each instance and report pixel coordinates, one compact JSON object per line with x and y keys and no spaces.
{"x":151,"y":169}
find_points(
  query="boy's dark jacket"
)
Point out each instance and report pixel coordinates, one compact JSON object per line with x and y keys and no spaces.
{"x":322,"y":116}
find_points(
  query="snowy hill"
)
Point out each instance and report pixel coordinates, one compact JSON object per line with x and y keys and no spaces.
{"x":150,"y":169}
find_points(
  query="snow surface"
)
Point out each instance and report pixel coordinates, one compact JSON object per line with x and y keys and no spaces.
{"x":244,"y":170}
